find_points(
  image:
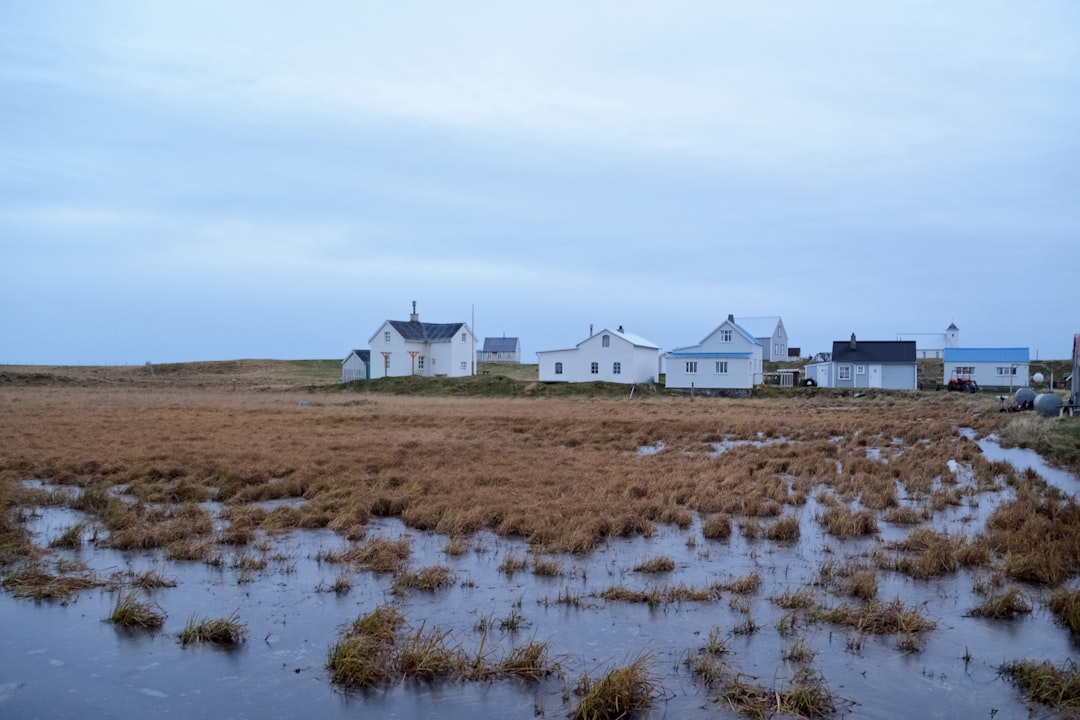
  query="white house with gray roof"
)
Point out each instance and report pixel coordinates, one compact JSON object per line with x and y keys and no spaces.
{"x":500,"y":350}
{"x":727,"y":359}
{"x":610,"y":355}
{"x":400,"y":348}
{"x":769,"y":331}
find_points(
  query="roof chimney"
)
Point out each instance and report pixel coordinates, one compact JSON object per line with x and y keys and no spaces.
{"x":590,"y":329}
{"x":620,"y":329}
{"x":852,"y":341}
{"x":414,"y":317}
{"x":731,"y":318}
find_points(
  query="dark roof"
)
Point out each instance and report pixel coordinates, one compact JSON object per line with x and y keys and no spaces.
{"x":500,"y":344}
{"x":423,"y":331}
{"x":882,"y":351}
{"x":364,"y":355}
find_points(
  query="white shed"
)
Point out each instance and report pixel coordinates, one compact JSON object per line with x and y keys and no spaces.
{"x":610,"y":355}
{"x":356,"y":366}
{"x":989,"y":367}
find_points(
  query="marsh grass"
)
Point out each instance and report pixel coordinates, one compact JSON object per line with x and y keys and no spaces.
{"x":547,"y":567}
{"x":879,"y":618}
{"x":146,"y":580}
{"x":807,"y":696}
{"x":129,"y":611}
{"x":1003,"y":606}
{"x":426,"y":579}
{"x":1065,"y":605}
{"x":35,"y":582}
{"x":529,"y":661}
{"x":512,"y":563}
{"x":71,"y":538}
{"x":785,"y":530}
{"x":717,"y":527}
{"x":621,"y":693}
{"x":218,"y":631}
{"x":380,"y":555}
{"x":657,"y":564}
{"x":1052,"y":685}
{"x":843,"y":522}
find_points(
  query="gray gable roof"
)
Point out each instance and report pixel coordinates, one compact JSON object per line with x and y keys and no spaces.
{"x":364,"y":355}
{"x":500,"y":344}
{"x":425,"y":332}
{"x":878,"y":351}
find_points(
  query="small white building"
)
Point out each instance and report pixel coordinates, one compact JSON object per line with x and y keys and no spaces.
{"x":988,"y":367}
{"x":933,"y":345}
{"x":609,"y":355}
{"x":400,"y":348}
{"x":356,"y":366}
{"x":729,"y":358}
{"x":501,"y":350}
{"x":770,"y":332}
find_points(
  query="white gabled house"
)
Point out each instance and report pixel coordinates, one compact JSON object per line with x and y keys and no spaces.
{"x":610,"y":355}
{"x":770,"y":332}
{"x":728,"y":360}
{"x":356,"y":366}
{"x":399,"y":348}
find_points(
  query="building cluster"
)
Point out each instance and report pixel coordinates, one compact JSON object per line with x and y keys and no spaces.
{"x":729,"y":360}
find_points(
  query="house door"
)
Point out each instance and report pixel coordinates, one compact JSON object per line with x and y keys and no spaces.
{"x":875,"y":376}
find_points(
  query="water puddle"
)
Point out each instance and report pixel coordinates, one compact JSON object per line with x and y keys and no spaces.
{"x":63,"y":658}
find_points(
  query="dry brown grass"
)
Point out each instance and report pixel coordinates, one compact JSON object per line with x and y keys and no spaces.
{"x":563,"y":474}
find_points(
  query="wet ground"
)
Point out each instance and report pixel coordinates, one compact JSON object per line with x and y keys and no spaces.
{"x":62,"y":660}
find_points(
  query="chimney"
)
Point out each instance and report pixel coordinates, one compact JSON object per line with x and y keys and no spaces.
{"x":620,"y":329}
{"x":414,"y":317}
{"x":852,"y":341}
{"x":590,"y":329}
{"x":731,"y":318}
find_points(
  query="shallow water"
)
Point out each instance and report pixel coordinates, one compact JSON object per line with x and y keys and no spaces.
{"x":60,"y":660}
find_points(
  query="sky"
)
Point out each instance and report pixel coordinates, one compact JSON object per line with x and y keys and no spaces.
{"x":201,"y":180}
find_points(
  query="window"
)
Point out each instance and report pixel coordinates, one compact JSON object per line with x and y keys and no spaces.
{"x":616,"y":369}
{"x":595,"y":368}
{"x":1006,"y":370}
{"x":386,"y":336}
{"x":966,"y":370}
{"x":725,"y":336}
{"x":606,"y":341}
{"x":721,"y":367}
{"x":776,"y":349}
{"x":691,"y":367}
{"x":464,"y":366}
{"x":558,"y":368}
{"x":420,"y":362}
{"x":860,"y":369}
{"x":464,"y":337}
{"x":843,"y":372}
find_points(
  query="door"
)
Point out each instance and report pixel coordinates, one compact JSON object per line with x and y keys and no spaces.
{"x":875,"y":376}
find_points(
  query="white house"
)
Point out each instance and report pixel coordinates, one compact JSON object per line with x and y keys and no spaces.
{"x":885,"y":364}
{"x":500,"y":350}
{"x":400,"y":348}
{"x":356,"y":366}
{"x":989,"y":367}
{"x":728,"y":359}
{"x":610,"y":355}
{"x":770,"y":332}
{"x":933,"y":345}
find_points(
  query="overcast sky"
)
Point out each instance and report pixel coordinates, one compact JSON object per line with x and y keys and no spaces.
{"x":203,"y":180}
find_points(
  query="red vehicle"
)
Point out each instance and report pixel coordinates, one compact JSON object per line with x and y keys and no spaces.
{"x":962,"y":383}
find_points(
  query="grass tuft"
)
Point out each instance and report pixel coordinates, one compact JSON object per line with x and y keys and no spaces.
{"x":619,"y":694}
{"x":130,"y":612}
{"x":220,"y":631}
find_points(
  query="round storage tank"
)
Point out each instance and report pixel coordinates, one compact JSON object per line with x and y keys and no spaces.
{"x":1048,"y":405}
{"x":1024,"y":398}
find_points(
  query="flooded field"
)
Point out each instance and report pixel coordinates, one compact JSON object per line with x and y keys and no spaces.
{"x":727,"y":611}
